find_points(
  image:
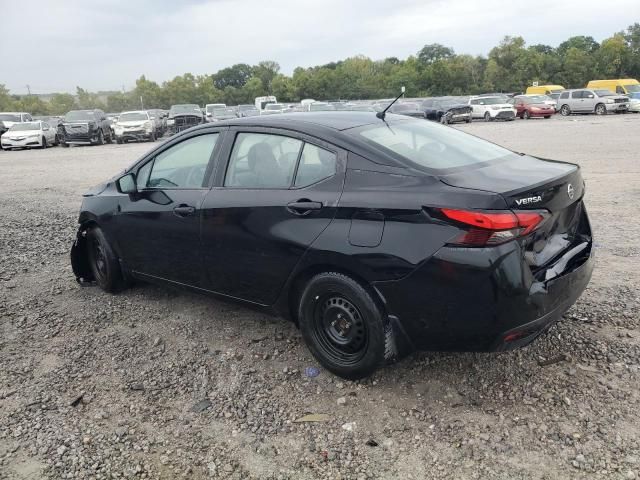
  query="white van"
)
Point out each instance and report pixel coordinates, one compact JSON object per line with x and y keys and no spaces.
{"x":262,"y":102}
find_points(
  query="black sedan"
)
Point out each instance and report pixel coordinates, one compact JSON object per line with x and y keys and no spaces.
{"x":447,"y":110}
{"x":375,"y":236}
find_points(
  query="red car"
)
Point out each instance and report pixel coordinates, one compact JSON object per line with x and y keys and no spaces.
{"x":534,"y":106}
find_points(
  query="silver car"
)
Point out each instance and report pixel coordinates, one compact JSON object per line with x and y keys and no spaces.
{"x":587,"y":100}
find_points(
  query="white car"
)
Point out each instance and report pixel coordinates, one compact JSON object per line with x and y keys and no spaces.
{"x":210,"y":107}
{"x":9,"y":118}
{"x":135,"y":125}
{"x":492,"y":108}
{"x":29,"y":135}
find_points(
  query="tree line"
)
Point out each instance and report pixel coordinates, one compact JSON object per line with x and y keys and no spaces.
{"x":435,"y":70}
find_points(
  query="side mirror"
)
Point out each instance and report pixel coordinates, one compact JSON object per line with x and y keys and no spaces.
{"x":45,"y":129}
{"x":127,"y":184}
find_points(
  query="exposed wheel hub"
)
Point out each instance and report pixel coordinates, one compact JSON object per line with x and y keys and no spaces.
{"x":342,"y":324}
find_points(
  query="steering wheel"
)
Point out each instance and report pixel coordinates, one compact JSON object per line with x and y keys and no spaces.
{"x":195,"y":176}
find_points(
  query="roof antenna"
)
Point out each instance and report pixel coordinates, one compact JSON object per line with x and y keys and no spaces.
{"x":381,"y":114}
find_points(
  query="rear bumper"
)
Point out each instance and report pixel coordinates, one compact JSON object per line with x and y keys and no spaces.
{"x":484,"y":299}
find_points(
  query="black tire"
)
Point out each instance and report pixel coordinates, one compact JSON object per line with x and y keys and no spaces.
{"x":152,"y":137}
{"x":526,"y":115}
{"x":44,"y":143}
{"x":600,"y":109}
{"x":547,"y":116}
{"x":64,"y":144}
{"x":444,"y":119}
{"x":100,"y":138}
{"x":110,"y":138}
{"x":56,"y":140}
{"x":103,"y":262}
{"x":343,"y":326}
{"x":487,"y":117}
{"x":565,"y":111}
{"x":118,"y":141}
{"x":468,"y":120}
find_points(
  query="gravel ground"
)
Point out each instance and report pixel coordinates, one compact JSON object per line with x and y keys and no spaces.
{"x":154,"y":383}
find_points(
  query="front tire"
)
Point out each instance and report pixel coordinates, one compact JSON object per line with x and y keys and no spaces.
{"x":526,"y":115}
{"x":343,"y":326}
{"x":43,"y":143}
{"x":601,"y":109}
{"x":487,"y":117}
{"x":104,"y":264}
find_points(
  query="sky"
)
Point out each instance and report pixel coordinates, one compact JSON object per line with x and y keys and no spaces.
{"x":54,"y":46}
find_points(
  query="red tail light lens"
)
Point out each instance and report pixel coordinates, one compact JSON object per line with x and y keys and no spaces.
{"x":493,"y":227}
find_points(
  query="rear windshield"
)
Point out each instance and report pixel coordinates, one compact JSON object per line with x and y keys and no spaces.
{"x":185,"y":109}
{"x":8,"y":117}
{"x":80,"y":116}
{"x":132,"y":117}
{"x":430,"y":145}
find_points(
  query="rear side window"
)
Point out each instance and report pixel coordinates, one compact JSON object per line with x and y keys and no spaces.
{"x":578,"y":94}
{"x":429,"y":145}
{"x":260,"y":160}
{"x":182,"y":165}
{"x":315,"y":164}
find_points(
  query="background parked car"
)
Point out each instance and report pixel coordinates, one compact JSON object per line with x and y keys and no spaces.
{"x":634,"y":102}
{"x":159,"y":119}
{"x":36,"y":134}
{"x":492,"y":108}
{"x":248,"y":111}
{"x":184,"y":116}
{"x":274,"y":108}
{"x":9,"y":118}
{"x":599,"y":102}
{"x":447,"y":110}
{"x":529,"y":106}
{"x":223,"y":113}
{"x":621,"y":86}
{"x":410,"y":109}
{"x":85,"y":127}
{"x":135,"y":126}
{"x":210,"y":107}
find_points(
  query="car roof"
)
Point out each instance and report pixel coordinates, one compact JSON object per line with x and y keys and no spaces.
{"x":333,"y":120}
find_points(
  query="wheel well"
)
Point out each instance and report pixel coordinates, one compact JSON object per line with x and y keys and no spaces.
{"x":302,"y":278}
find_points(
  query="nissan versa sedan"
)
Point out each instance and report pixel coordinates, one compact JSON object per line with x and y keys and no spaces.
{"x":375,"y":236}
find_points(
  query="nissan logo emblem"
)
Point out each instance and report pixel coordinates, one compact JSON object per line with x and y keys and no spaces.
{"x":570,"y":191}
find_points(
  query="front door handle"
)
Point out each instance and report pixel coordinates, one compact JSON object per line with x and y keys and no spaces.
{"x":184,"y":210}
{"x":303,"y":206}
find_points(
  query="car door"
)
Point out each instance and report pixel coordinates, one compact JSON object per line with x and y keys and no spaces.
{"x":158,"y":228}
{"x":590,"y":100}
{"x":49,"y":133}
{"x":279,"y":191}
{"x":577,"y":101}
{"x":477,"y":111}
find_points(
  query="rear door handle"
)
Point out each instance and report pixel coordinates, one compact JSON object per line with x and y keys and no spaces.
{"x":303,"y":206}
{"x":184,"y":210}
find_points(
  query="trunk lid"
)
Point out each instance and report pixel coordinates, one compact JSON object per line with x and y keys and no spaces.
{"x":528,"y":183}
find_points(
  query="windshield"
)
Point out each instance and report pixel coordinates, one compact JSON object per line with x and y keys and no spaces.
{"x":25,"y":126}
{"x":491,"y":100}
{"x":321,"y":107}
{"x":635,"y":95}
{"x":223,"y":112}
{"x":185,"y":109}
{"x":403,"y":107}
{"x":133,"y":116}
{"x":8,"y":117}
{"x":632,"y":88}
{"x":539,"y":98}
{"x":603,"y":93}
{"x":79,"y":116}
{"x":430,"y":145}
{"x":274,"y":106}
{"x":214,"y":106}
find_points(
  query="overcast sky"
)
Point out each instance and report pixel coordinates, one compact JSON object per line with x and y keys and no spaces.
{"x":55,"y":45}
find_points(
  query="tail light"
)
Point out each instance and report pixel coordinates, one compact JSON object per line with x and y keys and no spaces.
{"x":486,"y":228}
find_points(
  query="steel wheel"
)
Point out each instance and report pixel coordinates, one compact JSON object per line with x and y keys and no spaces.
{"x":340,"y":330}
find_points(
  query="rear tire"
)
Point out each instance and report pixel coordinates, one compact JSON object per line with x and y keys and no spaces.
{"x":118,"y":141}
{"x":565,"y":111}
{"x":547,"y":116}
{"x":526,"y":115}
{"x":343,"y":326}
{"x":44,"y":143}
{"x":64,"y":144}
{"x":56,"y":140}
{"x":487,"y":117}
{"x":104,"y":264}
{"x":600,"y":109}
{"x":100,"y":138}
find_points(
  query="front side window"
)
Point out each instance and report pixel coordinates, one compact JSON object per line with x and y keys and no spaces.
{"x":261,"y":160}
{"x":182,"y":165}
{"x":564,"y":95}
{"x":578,"y":94}
{"x":315,"y":164}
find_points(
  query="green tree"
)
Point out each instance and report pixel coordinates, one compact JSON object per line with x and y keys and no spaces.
{"x":266,"y":71}
{"x":580,"y":42}
{"x":434,"y":52}
{"x":614,"y":57}
{"x":6,"y":102}
{"x":61,"y":103}
{"x":235,"y":76}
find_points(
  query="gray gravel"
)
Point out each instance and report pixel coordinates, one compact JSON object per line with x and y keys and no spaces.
{"x":154,"y":383}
